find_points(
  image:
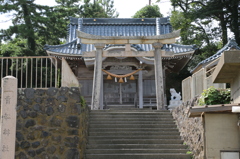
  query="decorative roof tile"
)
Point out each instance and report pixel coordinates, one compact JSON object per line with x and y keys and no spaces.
{"x":230,"y":45}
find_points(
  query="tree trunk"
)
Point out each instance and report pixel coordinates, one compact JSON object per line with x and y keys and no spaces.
{"x":29,"y":28}
{"x":223,"y":24}
{"x":234,"y":23}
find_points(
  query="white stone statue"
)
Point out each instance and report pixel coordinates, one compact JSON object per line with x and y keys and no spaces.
{"x":175,"y":95}
{"x":175,"y":99}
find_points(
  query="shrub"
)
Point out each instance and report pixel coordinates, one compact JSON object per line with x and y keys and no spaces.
{"x":212,"y":96}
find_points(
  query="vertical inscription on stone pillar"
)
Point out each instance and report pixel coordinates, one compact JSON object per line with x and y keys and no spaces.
{"x":8,"y":117}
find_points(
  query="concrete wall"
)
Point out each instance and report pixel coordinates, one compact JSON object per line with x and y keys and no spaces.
{"x":51,"y":123}
{"x":221,"y":133}
{"x":187,"y":89}
{"x":235,"y":88}
{"x":68,"y":77}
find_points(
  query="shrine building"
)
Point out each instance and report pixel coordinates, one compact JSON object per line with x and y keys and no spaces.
{"x":121,"y":61}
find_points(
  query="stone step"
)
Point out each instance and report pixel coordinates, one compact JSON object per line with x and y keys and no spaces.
{"x":130,"y":113}
{"x":131,"y":119}
{"x":132,"y":133}
{"x":113,"y":151}
{"x":132,"y":125}
{"x":136,"y":136}
{"x":126,"y":130}
{"x":130,"y":122}
{"x":128,"y":110}
{"x":139,"y":156}
{"x":141,"y":116}
{"x":136,"y":146}
{"x":135,"y":141}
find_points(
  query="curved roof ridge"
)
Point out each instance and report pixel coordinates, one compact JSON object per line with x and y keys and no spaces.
{"x":230,"y":44}
{"x":61,"y":45}
{"x":178,"y":48}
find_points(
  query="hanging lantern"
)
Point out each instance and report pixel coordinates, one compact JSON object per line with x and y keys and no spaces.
{"x":109,"y":77}
{"x":121,"y":80}
{"x":132,"y":77}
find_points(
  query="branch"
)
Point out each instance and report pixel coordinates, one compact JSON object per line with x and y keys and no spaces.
{"x":199,"y":2}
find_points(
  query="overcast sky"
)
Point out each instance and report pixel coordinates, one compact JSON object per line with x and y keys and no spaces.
{"x":125,"y":8}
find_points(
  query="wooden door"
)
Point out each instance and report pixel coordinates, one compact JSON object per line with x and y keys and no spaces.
{"x":119,"y":93}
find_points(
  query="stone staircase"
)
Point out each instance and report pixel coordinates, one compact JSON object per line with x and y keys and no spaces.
{"x":134,"y":134}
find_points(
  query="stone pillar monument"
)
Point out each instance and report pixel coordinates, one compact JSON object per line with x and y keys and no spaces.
{"x":97,"y":77}
{"x":158,"y":75}
{"x":8,"y":117}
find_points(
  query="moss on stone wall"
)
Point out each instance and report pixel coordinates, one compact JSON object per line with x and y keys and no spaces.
{"x":51,"y":123}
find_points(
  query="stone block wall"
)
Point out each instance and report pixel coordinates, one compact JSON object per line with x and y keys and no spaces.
{"x":51,"y":124}
{"x":191,"y":130}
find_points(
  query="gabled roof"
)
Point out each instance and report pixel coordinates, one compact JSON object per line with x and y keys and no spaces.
{"x":115,"y":27}
{"x":230,"y":45}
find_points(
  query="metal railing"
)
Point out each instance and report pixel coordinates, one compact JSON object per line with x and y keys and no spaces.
{"x":31,"y":72}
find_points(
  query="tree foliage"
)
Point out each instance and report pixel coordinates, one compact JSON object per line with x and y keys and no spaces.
{"x":148,"y":12}
{"x":98,"y":9}
{"x":27,"y":19}
{"x":36,"y":25}
{"x":205,"y":23}
{"x":108,"y":6}
{"x":16,"y":47}
{"x":202,"y":13}
{"x":213,"y":96}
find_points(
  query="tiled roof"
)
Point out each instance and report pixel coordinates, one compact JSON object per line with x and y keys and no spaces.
{"x":177,"y":48}
{"x":115,"y":27}
{"x":231,"y":44}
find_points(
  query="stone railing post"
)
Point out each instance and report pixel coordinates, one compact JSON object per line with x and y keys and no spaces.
{"x":8,"y":117}
{"x":97,"y":76}
{"x":159,"y":75}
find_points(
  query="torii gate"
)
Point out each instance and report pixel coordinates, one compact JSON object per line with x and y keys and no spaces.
{"x":100,"y":41}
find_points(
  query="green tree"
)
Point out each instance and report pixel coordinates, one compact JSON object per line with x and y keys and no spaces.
{"x":28,"y":16}
{"x":197,"y":21}
{"x":57,"y":19}
{"x":98,"y":9}
{"x":148,"y":12}
{"x":202,"y":12}
{"x":108,"y":6}
{"x":233,"y":11}
{"x":16,"y":47}
{"x":41,"y":25}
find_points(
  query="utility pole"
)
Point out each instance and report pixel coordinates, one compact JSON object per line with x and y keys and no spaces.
{"x":150,"y":2}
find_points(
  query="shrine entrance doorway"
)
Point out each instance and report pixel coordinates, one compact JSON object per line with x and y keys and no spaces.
{"x":120,"y":93}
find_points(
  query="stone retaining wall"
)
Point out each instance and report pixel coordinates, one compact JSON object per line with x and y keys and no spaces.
{"x":191,"y":130}
{"x":51,"y":124}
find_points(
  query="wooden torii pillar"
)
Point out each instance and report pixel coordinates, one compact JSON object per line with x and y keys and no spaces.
{"x":100,"y":41}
